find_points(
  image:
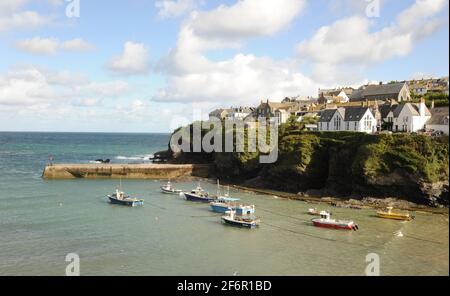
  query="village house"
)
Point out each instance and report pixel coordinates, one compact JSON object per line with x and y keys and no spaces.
{"x":336,"y":95}
{"x":280,"y":111}
{"x":433,"y":85}
{"x":439,"y":120}
{"x":398,"y":91}
{"x":407,"y":117}
{"x":239,"y":112}
{"x":219,"y":113}
{"x":357,"y":119}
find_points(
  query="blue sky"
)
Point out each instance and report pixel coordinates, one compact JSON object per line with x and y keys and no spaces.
{"x":149,"y":66}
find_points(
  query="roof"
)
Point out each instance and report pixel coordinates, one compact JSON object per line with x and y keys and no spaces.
{"x":348,"y":113}
{"x":326,"y":115}
{"x":414,"y":109}
{"x":385,"y":109}
{"x":218,"y":112}
{"x":242,"y":109}
{"x":439,"y":116}
{"x":383,"y":89}
{"x":354,"y":113}
{"x":377,"y":90}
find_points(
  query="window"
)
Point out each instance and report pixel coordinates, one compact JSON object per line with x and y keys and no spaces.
{"x":347,"y":125}
{"x":328,"y":126}
{"x":337,"y":123}
{"x":367,"y":123}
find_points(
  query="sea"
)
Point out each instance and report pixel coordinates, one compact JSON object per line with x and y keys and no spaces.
{"x":42,"y":222}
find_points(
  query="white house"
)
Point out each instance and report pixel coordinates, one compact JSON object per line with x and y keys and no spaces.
{"x":408,"y":117}
{"x":282,"y":116}
{"x":439,"y":120}
{"x":357,"y":119}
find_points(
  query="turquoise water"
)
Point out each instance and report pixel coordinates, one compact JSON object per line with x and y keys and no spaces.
{"x":42,"y":221}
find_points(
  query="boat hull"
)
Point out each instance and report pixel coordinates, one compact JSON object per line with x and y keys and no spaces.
{"x":128,"y":203}
{"x":197,"y":198}
{"x":172,"y":191}
{"x":241,"y":224}
{"x":394,"y":216}
{"x":335,"y":225}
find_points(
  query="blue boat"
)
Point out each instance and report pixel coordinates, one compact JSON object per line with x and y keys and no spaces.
{"x":119,"y":198}
{"x":198,"y":195}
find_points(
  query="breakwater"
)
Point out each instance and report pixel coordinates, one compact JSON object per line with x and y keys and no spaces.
{"x":125,"y":171}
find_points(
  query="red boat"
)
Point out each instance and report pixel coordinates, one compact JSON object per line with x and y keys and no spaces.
{"x":327,"y":222}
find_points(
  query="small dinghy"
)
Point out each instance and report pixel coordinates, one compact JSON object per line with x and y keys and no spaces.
{"x":389,"y":214}
{"x":198,"y":195}
{"x":168,"y":189}
{"x":119,"y":198}
{"x":327,"y":222}
{"x":314,"y":212}
{"x":239,"y":221}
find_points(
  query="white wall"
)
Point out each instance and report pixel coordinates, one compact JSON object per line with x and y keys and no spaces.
{"x":439,"y":127}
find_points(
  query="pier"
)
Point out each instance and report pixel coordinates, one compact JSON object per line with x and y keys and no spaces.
{"x":125,"y":171}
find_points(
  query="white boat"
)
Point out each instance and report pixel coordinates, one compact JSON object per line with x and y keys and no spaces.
{"x":168,"y":189}
{"x":240,"y":221}
{"x":326,"y":221}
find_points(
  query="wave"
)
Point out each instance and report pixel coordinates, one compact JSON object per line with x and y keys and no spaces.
{"x":137,"y":157}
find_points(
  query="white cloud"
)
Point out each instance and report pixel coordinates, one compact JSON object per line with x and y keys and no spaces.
{"x":247,"y":18}
{"x":49,"y":46}
{"x":348,"y":45}
{"x":174,"y":8}
{"x":134,"y":60}
{"x":22,"y":20}
{"x":78,"y":45}
{"x":243,"y":78}
{"x":38,"y":45}
{"x":33,"y":86}
{"x":10,"y":6}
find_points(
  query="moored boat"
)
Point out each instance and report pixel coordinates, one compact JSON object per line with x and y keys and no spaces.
{"x":314,"y":212}
{"x":240,"y":221}
{"x":198,"y":195}
{"x":326,"y":221}
{"x":120,"y":198}
{"x":240,"y":209}
{"x":389,"y":214}
{"x":168,"y":189}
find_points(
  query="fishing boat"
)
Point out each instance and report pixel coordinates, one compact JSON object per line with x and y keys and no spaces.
{"x":198,"y":195}
{"x":240,"y":221}
{"x":120,"y":198}
{"x":168,"y":189}
{"x":326,"y":221}
{"x":240,"y":209}
{"x":389,"y":214}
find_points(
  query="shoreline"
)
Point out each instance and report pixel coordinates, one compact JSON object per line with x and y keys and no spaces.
{"x":350,"y":203}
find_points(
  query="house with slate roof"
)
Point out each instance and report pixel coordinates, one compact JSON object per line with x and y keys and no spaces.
{"x":357,"y":119}
{"x":439,"y":120}
{"x":383,"y":92}
{"x":407,"y":117}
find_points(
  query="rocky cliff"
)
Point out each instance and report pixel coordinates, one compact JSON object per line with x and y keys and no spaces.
{"x":405,"y":166}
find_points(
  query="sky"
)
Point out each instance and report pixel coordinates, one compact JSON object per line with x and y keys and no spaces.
{"x":151,"y":66}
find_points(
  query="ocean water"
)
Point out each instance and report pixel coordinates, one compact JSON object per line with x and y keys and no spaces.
{"x":42,"y":221}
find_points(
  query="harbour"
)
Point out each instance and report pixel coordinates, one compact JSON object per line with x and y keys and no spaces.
{"x":43,"y":220}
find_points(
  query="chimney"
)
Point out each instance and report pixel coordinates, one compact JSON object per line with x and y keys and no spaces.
{"x":422,"y":107}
